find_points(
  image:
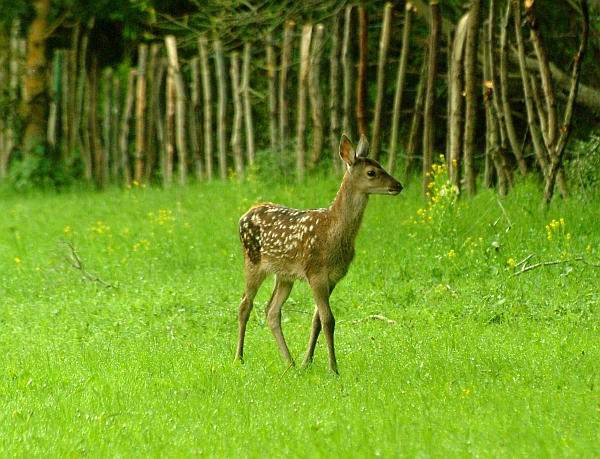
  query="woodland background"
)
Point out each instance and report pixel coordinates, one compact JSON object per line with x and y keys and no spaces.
{"x":161,"y":91}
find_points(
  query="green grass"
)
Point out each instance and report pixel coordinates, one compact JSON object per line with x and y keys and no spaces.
{"x":479,"y":362}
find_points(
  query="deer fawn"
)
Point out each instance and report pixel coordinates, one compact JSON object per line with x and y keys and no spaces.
{"x":316,"y":246}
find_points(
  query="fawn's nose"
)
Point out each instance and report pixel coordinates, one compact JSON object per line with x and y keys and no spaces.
{"x":395,"y":188}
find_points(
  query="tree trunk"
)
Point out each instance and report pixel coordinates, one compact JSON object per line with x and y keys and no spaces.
{"x":125,"y":126}
{"x":272,"y":78}
{"x":194,"y":117}
{"x":302,"y":88}
{"x":492,"y":135}
{"x":222,"y":107}
{"x":549,"y":133}
{"x":140,"y":113}
{"x":207,"y":93}
{"x":428,"y":116}
{"x":538,"y":147}
{"x":249,"y":125}
{"x":115,"y":119}
{"x":155,"y":74}
{"x":35,"y":99}
{"x":471,"y":94}
{"x":449,"y":41}
{"x":400,"y":77}
{"x":11,"y":98}
{"x":4,"y":98}
{"x":93,"y":124}
{"x":71,"y":92}
{"x":456,"y":95}
{"x":383,"y":50}
{"x":84,"y":127}
{"x":507,"y":116}
{"x":107,"y":132}
{"x":286,"y":57}
{"x":160,"y":114}
{"x":181,"y":125}
{"x":363,"y":62}
{"x":496,"y":111}
{"x":558,"y":153}
{"x":169,"y":152}
{"x":417,"y":118}
{"x":55,"y":92}
{"x":236,"y":130}
{"x":316,"y":96}
{"x":348,"y":121}
{"x":334,"y":97}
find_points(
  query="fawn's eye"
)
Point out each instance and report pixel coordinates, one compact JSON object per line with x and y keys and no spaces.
{"x":371,"y":173}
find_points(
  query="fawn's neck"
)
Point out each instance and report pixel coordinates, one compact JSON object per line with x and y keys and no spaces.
{"x":347,"y":211}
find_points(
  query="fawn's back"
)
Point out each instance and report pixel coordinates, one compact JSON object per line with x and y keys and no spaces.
{"x":287,"y":242}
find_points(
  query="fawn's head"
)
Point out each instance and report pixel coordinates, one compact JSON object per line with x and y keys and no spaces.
{"x":366,"y":174}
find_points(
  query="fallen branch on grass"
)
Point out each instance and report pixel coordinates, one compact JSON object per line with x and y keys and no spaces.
{"x":525,"y":260}
{"x":290,"y":365}
{"x":74,"y":261}
{"x":526,"y":267}
{"x":375,"y":317}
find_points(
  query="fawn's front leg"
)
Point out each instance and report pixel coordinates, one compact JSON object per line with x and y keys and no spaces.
{"x":321,"y":291}
{"x":314,"y":334}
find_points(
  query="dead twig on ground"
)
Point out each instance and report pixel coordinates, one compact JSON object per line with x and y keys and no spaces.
{"x":375,"y":317}
{"x":525,"y":267}
{"x":72,"y":259}
{"x":290,"y":365}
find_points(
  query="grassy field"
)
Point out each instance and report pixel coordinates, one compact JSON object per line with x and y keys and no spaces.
{"x":131,"y":355}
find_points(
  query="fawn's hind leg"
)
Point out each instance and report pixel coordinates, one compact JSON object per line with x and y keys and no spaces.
{"x":312,"y":342}
{"x":254,"y":279}
{"x":273,"y":310}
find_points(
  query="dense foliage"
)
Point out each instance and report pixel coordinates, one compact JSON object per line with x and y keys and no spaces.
{"x":120,"y":26}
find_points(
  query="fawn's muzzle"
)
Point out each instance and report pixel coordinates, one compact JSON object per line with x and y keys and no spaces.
{"x":395,"y":189}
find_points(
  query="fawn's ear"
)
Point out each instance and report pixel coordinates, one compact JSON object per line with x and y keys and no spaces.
{"x":347,"y":152}
{"x":363,"y":147}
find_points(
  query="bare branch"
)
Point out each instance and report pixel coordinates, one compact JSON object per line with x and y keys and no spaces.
{"x":525,"y":260}
{"x":540,"y":150}
{"x":506,"y":109}
{"x":375,"y":317}
{"x":73,"y":260}
{"x":526,"y":268}
{"x":565,"y":131}
{"x":558,"y":153}
{"x":545,"y":74}
{"x":290,"y":365}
